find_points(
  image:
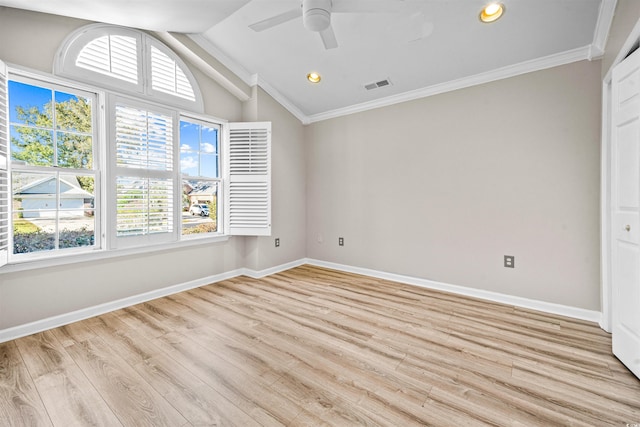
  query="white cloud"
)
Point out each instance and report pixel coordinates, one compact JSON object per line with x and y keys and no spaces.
{"x":188,"y":163}
{"x":208,"y":148}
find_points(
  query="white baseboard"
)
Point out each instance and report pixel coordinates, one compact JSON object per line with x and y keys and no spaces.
{"x":74,"y":316}
{"x":546,"y":307}
{"x":258,"y":274}
{"x":85,"y":313}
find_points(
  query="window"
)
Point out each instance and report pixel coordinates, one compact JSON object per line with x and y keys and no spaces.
{"x":53,"y":179}
{"x":200,"y":174}
{"x":144,"y":164}
{"x":128,"y":61}
{"x":112,"y":55}
{"x":123,"y":159}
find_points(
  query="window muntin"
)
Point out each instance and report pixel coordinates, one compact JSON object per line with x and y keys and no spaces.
{"x":53,"y":180}
{"x":200,"y":174}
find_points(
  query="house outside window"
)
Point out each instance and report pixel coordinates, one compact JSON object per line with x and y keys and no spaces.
{"x":200,"y":174}
{"x":52,"y":135}
{"x":115,"y":153}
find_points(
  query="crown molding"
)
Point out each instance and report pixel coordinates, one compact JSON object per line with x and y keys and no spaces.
{"x":603,"y":25}
{"x":593,"y":51}
{"x":232,"y":65}
{"x":550,"y":61}
{"x":282,"y":100}
{"x":199,"y":60}
{"x":248,"y":78}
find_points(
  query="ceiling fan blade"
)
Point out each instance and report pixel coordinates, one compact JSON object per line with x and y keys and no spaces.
{"x":329,"y":38}
{"x":366,"y":6}
{"x":276,"y":20}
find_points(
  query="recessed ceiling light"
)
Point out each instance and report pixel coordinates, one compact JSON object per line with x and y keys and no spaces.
{"x":492,"y":12}
{"x":314,"y":77}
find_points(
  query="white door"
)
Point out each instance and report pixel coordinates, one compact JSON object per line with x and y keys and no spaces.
{"x":625,"y":215}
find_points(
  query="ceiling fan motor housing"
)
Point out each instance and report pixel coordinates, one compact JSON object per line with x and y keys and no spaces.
{"x":316,"y":14}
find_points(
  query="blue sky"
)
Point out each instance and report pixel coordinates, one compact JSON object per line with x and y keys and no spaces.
{"x":198,"y":150}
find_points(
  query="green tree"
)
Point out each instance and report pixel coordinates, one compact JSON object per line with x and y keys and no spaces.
{"x":32,"y":142}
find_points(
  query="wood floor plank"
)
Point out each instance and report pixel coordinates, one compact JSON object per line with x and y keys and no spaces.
{"x":130,"y":397}
{"x":69,"y":396}
{"x":20,"y":403}
{"x":314,"y":346}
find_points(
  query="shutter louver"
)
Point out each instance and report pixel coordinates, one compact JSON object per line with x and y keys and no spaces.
{"x":144,"y":140}
{"x":144,"y":206}
{"x":114,"y":56}
{"x":248,"y":200}
{"x":168,"y":77}
{"x":144,"y":157}
{"x":4,"y":167}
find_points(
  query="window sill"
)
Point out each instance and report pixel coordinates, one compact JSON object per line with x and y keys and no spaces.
{"x":101,"y":254}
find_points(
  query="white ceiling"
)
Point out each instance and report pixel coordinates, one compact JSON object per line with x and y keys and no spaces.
{"x":425,"y":47}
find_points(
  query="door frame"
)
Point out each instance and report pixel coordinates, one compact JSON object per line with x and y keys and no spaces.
{"x":605,"y":182}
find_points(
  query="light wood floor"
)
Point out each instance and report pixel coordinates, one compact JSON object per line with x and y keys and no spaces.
{"x":312,"y":346}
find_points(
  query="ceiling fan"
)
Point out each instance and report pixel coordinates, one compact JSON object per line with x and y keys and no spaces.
{"x":316,"y":15}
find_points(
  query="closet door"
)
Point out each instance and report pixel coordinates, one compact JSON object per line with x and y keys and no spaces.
{"x":625,"y":203}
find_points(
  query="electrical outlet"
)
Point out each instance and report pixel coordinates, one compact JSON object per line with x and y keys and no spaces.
{"x":340,"y":241}
{"x":509,"y":261}
{"x":277,"y":242}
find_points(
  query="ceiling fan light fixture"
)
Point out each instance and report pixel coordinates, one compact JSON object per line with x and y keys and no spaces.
{"x":314,"y":77}
{"x":492,"y":12}
{"x":316,"y":14}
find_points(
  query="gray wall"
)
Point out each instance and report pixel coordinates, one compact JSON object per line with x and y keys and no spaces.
{"x":288,"y":186}
{"x":442,"y":187}
{"x":31,"y":40}
{"x":438,"y":188}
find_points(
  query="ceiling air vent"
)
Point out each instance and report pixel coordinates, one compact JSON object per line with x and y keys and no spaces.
{"x":375,"y":85}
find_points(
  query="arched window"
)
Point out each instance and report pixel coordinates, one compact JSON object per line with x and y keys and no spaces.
{"x":129,"y":61}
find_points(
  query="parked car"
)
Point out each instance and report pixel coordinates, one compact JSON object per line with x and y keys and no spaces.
{"x":202,"y":210}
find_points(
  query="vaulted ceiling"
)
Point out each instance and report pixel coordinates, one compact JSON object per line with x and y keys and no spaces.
{"x":420,"y":47}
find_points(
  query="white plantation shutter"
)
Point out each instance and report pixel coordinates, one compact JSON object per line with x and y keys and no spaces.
{"x":115,"y":56}
{"x":168,"y":77}
{"x":144,"y":206}
{"x":144,"y":174}
{"x":248,"y":191}
{"x":144,"y":139}
{"x":4,"y":167}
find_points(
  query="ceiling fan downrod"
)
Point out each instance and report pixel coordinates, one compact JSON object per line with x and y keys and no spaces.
{"x":316,"y":14}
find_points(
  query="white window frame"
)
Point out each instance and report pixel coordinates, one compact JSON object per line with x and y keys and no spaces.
{"x":97,"y":97}
{"x":220,"y":217}
{"x":64,"y":65}
{"x":5,"y":178}
{"x":106,"y":245}
{"x":113,"y":172}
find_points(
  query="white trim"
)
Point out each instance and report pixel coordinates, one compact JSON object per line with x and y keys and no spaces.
{"x":550,"y":61}
{"x":203,"y":65}
{"x":232,"y":65}
{"x":605,"y":181}
{"x":605,"y":209}
{"x":603,"y":25}
{"x":259,"y":274}
{"x":85,"y":313}
{"x":546,"y":307}
{"x":100,"y":254}
{"x":280,"y":98}
{"x":78,"y":315}
{"x":64,"y":65}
